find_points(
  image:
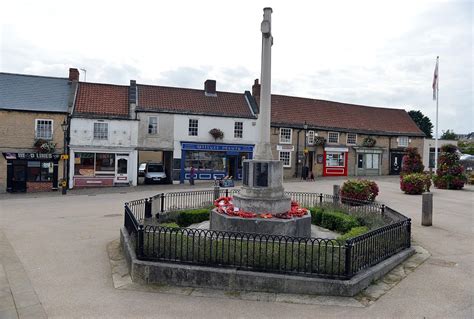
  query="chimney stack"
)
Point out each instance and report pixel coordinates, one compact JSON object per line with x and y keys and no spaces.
{"x":73,"y":74}
{"x":132,"y":99}
{"x":256,"y":90}
{"x":210,"y":88}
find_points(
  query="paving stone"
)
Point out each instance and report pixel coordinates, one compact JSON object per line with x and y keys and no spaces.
{"x":319,"y":300}
{"x":6,"y":302}
{"x":32,"y":312}
{"x":25,"y":299}
{"x":8,"y":313}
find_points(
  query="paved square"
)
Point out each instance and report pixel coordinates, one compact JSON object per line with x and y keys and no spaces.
{"x":59,"y":262}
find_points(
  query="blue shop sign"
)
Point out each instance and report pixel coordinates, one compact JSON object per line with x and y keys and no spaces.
{"x":217,"y":147}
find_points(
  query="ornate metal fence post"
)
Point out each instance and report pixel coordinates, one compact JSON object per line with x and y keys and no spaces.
{"x":162,"y":206}
{"x":148,"y":203}
{"x":140,"y":241}
{"x":383,"y":209}
{"x":216,"y":192}
{"x":321,"y":199}
{"x":409,"y":233}
{"x":226,"y":192}
{"x":348,"y":261}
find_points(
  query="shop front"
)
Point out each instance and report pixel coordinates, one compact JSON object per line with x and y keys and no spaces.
{"x":31,"y":172}
{"x":92,"y":169}
{"x":369,"y":161}
{"x":335,"y":161}
{"x":212,"y":161}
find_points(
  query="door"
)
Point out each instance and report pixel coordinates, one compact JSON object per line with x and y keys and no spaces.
{"x":121,"y":169}
{"x":232,"y":163}
{"x":396,"y":163}
{"x":19,"y":177}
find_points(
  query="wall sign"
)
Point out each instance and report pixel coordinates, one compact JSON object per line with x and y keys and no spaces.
{"x":31,"y":156}
{"x":319,"y":158}
{"x":217,"y":147}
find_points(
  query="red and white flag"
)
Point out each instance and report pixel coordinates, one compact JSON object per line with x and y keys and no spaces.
{"x":435,"y":80}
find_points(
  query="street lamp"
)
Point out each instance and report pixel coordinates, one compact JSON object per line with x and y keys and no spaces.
{"x":304,"y":170}
{"x":64,"y":126}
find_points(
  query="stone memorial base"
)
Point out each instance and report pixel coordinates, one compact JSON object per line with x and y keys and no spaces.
{"x":296,"y":227}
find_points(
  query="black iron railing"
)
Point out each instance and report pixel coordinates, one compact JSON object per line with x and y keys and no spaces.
{"x":278,"y":254}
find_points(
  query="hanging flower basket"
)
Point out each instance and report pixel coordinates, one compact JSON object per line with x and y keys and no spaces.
{"x":216,"y":133}
{"x":319,"y":141}
{"x":369,"y":142}
{"x":46,"y":147}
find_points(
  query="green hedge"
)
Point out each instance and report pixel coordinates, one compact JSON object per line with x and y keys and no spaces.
{"x":354,"y":232}
{"x":192,"y":216}
{"x":333,"y":220}
{"x":327,"y":256}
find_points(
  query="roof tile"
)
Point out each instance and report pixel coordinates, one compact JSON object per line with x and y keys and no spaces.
{"x":102,"y":100}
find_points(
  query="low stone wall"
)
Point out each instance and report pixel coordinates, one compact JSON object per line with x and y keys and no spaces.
{"x":146,"y":272}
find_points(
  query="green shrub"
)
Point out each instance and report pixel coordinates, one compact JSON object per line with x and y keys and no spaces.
{"x":192,"y":216}
{"x":333,"y":220}
{"x":354,"y":232}
{"x":170,"y":225}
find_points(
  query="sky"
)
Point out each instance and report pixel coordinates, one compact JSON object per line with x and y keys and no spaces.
{"x":376,"y":53}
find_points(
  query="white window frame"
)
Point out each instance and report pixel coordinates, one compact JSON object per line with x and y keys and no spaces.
{"x":310,"y":137}
{"x":189,"y":127}
{"x":97,"y":136}
{"x":339,"y":155}
{"x":285,"y":164}
{"x":238,"y":131}
{"x":149,"y":127}
{"x":329,"y":139}
{"x":286,"y":140}
{"x":355,"y":139}
{"x":37,"y":130}
{"x":401,"y":139}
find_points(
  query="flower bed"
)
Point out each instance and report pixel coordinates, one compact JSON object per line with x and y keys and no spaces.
{"x":360,"y":190}
{"x":225,"y":206}
{"x":415,"y":183}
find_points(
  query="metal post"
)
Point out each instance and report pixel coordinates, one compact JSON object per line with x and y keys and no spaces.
{"x":140,"y":241}
{"x":227,"y":192}
{"x":383,"y":209}
{"x":427,"y":209}
{"x":409,"y":233}
{"x":217,"y":192}
{"x":335,"y":193}
{"x":320,"y":198}
{"x":348,"y":261}
{"x":148,"y":203}
{"x":162,"y":208}
{"x":64,"y":181}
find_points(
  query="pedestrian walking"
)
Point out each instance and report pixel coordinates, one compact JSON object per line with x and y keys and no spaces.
{"x":191,"y":175}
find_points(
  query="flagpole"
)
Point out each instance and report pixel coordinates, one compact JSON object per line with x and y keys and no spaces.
{"x":437,"y":101}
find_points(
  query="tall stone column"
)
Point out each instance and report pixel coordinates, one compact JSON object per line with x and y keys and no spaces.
{"x":263,"y":150}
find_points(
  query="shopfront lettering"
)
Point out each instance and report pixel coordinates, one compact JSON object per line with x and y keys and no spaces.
{"x":219,"y":147}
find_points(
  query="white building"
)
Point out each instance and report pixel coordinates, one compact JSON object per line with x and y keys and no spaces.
{"x":175,"y":123}
{"x":103,"y":137}
{"x":429,"y":151}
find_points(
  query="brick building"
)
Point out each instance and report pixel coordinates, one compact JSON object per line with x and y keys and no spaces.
{"x":32,"y":109}
{"x":338,"y":139}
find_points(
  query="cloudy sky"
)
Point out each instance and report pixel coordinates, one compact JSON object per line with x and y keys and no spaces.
{"x":376,"y":53}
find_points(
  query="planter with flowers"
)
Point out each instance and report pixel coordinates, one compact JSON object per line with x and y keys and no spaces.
{"x":44,"y":146}
{"x":319,"y":141}
{"x":450,"y":173}
{"x":216,"y":133}
{"x":369,"y":142}
{"x":358,"y":190}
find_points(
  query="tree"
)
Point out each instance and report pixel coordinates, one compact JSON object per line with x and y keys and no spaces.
{"x":423,"y":122}
{"x":448,"y":135}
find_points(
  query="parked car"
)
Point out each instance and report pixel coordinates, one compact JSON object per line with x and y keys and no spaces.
{"x":153,"y":172}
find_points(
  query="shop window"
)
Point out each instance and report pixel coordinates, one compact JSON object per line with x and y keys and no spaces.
{"x":104,"y":163}
{"x":152,"y":125}
{"x":44,"y":129}
{"x":101,"y":131}
{"x":214,"y":161}
{"x":238,"y":129}
{"x":403,"y":141}
{"x":334,"y":159}
{"x":351,"y":139}
{"x":285,"y":157}
{"x":333,"y":137}
{"x":40,"y":171}
{"x":285,"y":135}
{"x":372,"y":161}
{"x":193,"y":127}
{"x":310,"y":137}
{"x":84,"y":164}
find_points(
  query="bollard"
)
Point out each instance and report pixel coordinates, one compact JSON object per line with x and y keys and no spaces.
{"x":217,"y":192}
{"x":148,"y":212}
{"x":335,"y":193}
{"x":427,"y":209}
